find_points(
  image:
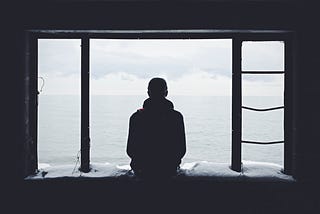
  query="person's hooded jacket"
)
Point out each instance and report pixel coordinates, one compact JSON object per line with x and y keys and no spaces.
{"x":156,"y":141}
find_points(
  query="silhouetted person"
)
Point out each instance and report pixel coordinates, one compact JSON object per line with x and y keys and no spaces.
{"x":156,"y":141}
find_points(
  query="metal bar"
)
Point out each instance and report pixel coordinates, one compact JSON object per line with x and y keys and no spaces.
{"x":249,"y":35}
{"x":262,"y":72}
{"x":236,"y":105}
{"x":35,"y":107}
{"x":288,"y":103}
{"x":262,"y":143}
{"x":264,"y":109}
{"x":294,"y":102}
{"x":85,"y":137}
{"x":244,"y":32}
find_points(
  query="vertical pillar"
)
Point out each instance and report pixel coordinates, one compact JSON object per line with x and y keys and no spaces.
{"x":288,"y":108}
{"x":34,"y":104}
{"x":236,"y":105}
{"x":85,"y":137}
{"x":31,"y":107}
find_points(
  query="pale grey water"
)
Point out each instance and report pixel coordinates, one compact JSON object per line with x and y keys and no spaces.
{"x":207,"y":123}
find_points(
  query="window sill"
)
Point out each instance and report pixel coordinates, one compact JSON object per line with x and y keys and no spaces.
{"x":203,"y":170}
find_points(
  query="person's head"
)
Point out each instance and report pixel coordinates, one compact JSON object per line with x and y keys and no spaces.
{"x":157,"y":88}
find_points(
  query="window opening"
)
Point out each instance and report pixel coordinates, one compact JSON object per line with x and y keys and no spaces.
{"x":255,"y":59}
{"x":198,"y":72}
{"x":59,"y":101}
{"x":238,"y":71}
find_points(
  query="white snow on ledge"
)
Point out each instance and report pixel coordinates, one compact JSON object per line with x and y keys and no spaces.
{"x":251,"y":171}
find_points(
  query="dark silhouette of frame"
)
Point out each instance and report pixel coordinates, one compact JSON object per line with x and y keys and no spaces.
{"x":237,"y":36}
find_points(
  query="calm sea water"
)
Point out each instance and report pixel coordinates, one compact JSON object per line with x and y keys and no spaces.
{"x":207,"y":123}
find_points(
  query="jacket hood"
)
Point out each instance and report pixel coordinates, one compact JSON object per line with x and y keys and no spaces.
{"x":158,"y":104}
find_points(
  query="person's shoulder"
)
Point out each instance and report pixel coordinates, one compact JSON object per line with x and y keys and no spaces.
{"x":138,"y":113}
{"x":177,"y":114}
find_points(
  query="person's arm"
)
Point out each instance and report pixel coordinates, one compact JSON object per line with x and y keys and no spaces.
{"x":131,"y":137}
{"x":181,"y":137}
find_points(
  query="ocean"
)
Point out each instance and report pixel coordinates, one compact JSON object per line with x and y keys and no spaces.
{"x":207,"y":122}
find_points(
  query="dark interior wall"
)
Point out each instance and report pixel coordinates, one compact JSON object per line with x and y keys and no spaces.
{"x":308,"y":157}
{"x":155,"y":15}
{"x":298,"y":16}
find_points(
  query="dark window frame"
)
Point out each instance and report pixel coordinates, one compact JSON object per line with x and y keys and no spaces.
{"x":237,"y":107}
{"x":237,"y":36}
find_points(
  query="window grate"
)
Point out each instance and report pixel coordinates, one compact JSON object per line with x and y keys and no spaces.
{"x":237,"y":103}
{"x":262,"y":143}
{"x":262,"y":109}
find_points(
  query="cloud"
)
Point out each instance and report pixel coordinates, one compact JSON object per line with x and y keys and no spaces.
{"x":142,"y":58}
{"x":149,"y":58}
{"x":201,"y":83}
{"x":118,"y":84}
{"x":61,"y":57}
{"x":127,"y":65}
{"x":195,"y":83}
{"x":266,"y":56}
{"x":274,"y":87}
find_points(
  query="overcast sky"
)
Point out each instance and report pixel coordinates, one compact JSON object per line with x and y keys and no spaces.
{"x":191,"y":67}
